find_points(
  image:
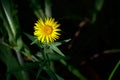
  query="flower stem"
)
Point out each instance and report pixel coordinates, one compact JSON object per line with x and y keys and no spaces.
{"x":113,"y":72}
{"x":46,"y":57}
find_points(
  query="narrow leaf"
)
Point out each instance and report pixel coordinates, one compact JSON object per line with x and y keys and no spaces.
{"x":60,"y":42}
{"x":58,"y":77}
{"x":97,"y":7}
{"x":56,"y":49}
{"x":40,"y":69}
{"x":51,"y":74}
{"x":11,"y":16}
{"x":73,"y":70}
{"x":36,"y":6}
{"x":7,"y":57}
{"x":48,"y":12}
{"x":112,"y":51}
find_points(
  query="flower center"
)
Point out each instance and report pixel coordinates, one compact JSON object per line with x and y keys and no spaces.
{"x":47,"y":30}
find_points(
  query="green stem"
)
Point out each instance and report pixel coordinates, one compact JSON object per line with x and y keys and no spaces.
{"x":45,"y":55}
{"x":19,"y":57}
{"x":6,"y":44}
{"x":40,"y":70}
{"x":113,"y":72}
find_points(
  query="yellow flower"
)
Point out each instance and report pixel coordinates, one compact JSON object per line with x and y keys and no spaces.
{"x":46,"y":30}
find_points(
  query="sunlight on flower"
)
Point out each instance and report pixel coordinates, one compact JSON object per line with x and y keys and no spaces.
{"x":47,"y":30}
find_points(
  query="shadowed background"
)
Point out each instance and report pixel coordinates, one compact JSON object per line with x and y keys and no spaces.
{"x":88,"y":51}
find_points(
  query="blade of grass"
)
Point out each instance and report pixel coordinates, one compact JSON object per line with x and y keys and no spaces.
{"x":73,"y":70}
{"x":5,"y":27}
{"x":48,"y":12}
{"x":56,"y":49}
{"x":113,"y":72}
{"x":7,"y":57}
{"x":38,"y":11}
{"x":51,"y":74}
{"x":40,"y":69}
{"x":97,"y":7}
{"x":7,"y":8}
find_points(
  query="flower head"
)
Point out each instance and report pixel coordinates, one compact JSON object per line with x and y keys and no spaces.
{"x":46,"y":30}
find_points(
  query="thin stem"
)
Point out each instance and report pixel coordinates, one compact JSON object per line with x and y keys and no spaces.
{"x":41,"y":68}
{"x":113,"y":72}
{"x":44,"y":63}
{"x":6,"y":44}
{"x":46,"y":57}
{"x":19,"y":57}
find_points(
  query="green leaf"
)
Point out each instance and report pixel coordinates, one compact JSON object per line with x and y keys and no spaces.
{"x":114,"y":70}
{"x":7,"y":57}
{"x":97,"y":7}
{"x":51,"y":74}
{"x":5,"y":28}
{"x":99,"y":4}
{"x":61,"y":42}
{"x":32,"y":38}
{"x":57,"y":57}
{"x":52,"y":46}
{"x":26,"y":67}
{"x":48,"y":12}
{"x":76,"y":72}
{"x":73,"y":70}
{"x":58,"y":77}
{"x":19,"y":44}
{"x":11,"y":17}
{"x":52,"y":56}
{"x":112,"y":51}
{"x":36,"y":7}
{"x":27,"y":53}
{"x":40,"y":69}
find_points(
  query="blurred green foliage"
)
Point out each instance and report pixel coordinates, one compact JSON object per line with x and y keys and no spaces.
{"x":19,"y":58}
{"x":13,"y":50}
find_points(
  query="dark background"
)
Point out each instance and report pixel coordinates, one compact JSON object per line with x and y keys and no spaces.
{"x":94,"y":38}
